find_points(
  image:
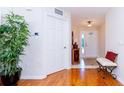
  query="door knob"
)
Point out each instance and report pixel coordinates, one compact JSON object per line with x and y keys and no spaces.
{"x":64,"y":47}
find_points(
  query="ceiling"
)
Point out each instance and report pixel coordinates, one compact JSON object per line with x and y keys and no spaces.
{"x":80,"y":15}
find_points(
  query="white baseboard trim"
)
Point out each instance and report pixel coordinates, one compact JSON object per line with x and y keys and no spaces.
{"x":89,"y":57}
{"x":33,"y":77}
{"x":68,"y":67}
{"x":122,"y":82}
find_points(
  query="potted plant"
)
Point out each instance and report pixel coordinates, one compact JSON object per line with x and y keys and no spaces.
{"x":14,"y":35}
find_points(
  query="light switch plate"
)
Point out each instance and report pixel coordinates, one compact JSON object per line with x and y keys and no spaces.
{"x":36,"y":34}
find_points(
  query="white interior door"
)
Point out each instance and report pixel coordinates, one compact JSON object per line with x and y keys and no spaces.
{"x":91,"y":44}
{"x":54,"y":32}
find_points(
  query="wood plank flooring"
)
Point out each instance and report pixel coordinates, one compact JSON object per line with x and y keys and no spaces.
{"x":74,"y":77}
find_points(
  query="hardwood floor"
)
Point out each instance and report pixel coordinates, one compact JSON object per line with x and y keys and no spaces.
{"x":90,"y":62}
{"x":74,"y":77}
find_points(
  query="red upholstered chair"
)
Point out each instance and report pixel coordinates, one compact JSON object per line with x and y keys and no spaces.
{"x":111,"y":56}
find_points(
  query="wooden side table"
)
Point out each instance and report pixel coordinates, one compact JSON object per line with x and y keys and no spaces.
{"x":75,"y":56}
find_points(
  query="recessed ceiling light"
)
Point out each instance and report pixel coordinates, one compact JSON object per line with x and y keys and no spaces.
{"x":89,"y":25}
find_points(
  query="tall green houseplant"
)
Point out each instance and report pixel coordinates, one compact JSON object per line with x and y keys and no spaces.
{"x":14,"y":35}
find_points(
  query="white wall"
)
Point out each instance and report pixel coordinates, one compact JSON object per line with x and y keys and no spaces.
{"x":101,"y":40}
{"x":33,"y":64}
{"x":115,"y":37}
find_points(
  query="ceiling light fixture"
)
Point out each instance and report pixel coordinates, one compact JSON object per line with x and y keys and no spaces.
{"x":89,"y":23}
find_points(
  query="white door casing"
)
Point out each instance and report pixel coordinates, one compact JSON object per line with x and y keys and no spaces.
{"x":54,"y":43}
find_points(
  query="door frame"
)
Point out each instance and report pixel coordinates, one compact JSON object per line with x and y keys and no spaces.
{"x":68,"y":46}
{"x":85,"y":56}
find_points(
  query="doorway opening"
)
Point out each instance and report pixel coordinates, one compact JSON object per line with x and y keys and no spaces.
{"x":88,"y":50}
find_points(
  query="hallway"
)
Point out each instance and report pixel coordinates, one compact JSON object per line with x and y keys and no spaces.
{"x":73,"y":77}
{"x":86,"y":63}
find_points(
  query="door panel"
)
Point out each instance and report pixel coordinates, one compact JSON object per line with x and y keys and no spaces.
{"x":91,"y":44}
{"x":54,"y":44}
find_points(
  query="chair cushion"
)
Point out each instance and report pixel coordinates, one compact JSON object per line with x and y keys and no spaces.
{"x":105,"y":62}
{"x":111,"y":56}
